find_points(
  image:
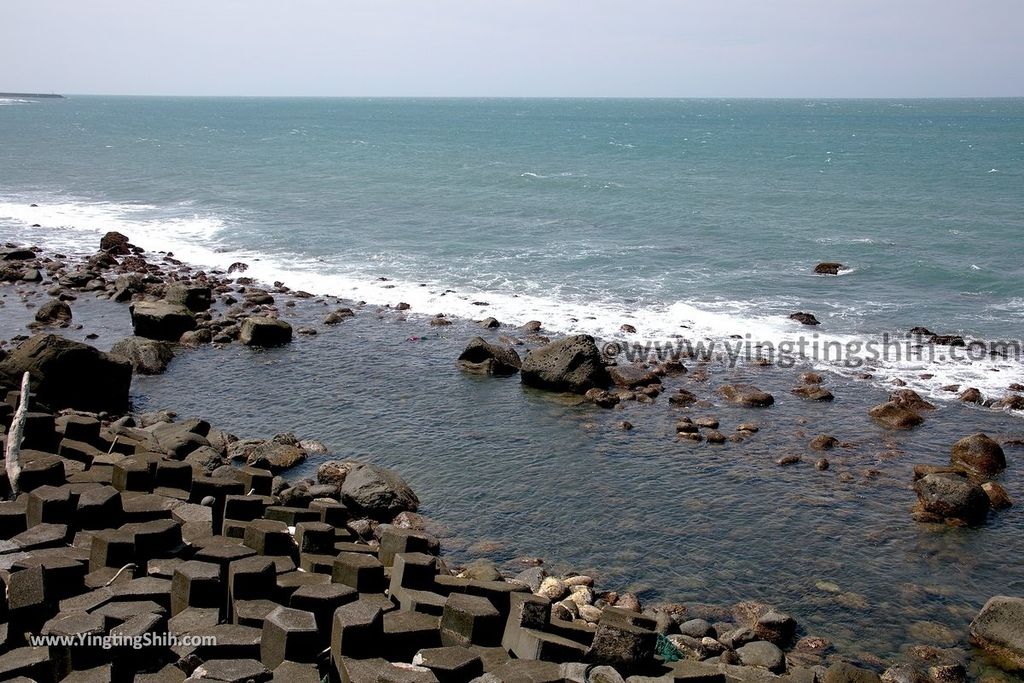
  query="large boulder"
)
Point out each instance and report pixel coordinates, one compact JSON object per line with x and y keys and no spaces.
{"x":115,"y":243}
{"x":69,"y":374}
{"x":193,"y":297}
{"x":632,"y":376}
{"x":843,"y":672}
{"x":979,"y":454}
{"x":377,"y":492}
{"x":952,"y":496}
{"x":484,"y":357}
{"x":262,"y":331}
{"x":147,"y":356}
{"x":893,"y":415}
{"x":54,"y":312}
{"x":573,"y":364}
{"x":161,"y":320}
{"x":275,"y":456}
{"x":829,"y":268}
{"x":746,"y":395}
{"x":999,"y":631}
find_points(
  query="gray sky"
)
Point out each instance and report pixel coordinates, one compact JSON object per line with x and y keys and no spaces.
{"x":685,"y":48}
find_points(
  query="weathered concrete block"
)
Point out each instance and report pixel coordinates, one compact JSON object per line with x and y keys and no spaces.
{"x":618,"y":641}
{"x":288,"y":634}
{"x":50,"y":504}
{"x":99,"y":508}
{"x":394,"y":540}
{"x":111,"y":548}
{"x":470,"y":620}
{"x":244,"y":508}
{"x":75,"y":656}
{"x":356,"y":630}
{"x":252,"y":612}
{"x":197,"y":584}
{"x":269,"y":537}
{"x":174,"y":474}
{"x":133,"y":474}
{"x":291,"y":516}
{"x":451,"y":664}
{"x":321,"y":600}
{"x":255,"y":480}
{"x":413,"y":571}
{"x":314,"y":537}
{"x":363,"y":572}
{"x":331,"y":512}
{"x":156,"y":538}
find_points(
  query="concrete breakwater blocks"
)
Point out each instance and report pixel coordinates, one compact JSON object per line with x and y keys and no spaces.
{"x":141,"y":564}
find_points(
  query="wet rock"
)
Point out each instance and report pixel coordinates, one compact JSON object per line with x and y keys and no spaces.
{"x":1011,"y":402}
{"x":829,"y":268}
{"x":68,"y":374}
{"x":553,"y":588}
{"x":788,"y":460}
{"x":714,"y":436}
{"x":997,"y":495}
{"x":902,"y":673}
{"x":632,"y":376}
{"x":627,"y":328}
{"x":682,"y":398}
{"x":573,"y":365}
{"x":481,"y":356}
{"x":377,"y":492}
{"x":276,"y":457}
{"x":115,"y":243}
{"x":950,"y":496}
{"x":334,"y":472}
{"x":161,"y":320}
{"x":264,"y":332}
{"x":775,"y":627}
{"x":762,"y":654}
{"x":195,"y":298}
{"x":147,"y":356}
{"x":804,"y":318}
{"x":843,"y":672}
{"x":601,"y":398}
{"x":821,"y":464}
{"x":910,"y":399}
{"x":335,"y":317}
{"x":489,"y":323}
{"x":999,"y":631}
{"x":810,"y":378}
{"x":979,"y":454}
{"x":813,"y":392}
{"x":746,"y":395}
{"x":972,"y":395}
{"x":824,"y":442}
{"x":892,"y":415}
{"x":54,"y":312}
{"x":696,"y":628}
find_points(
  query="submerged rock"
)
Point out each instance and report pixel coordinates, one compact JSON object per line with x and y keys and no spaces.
{"x":481,"y":356}
{"x":952,"y":496}
{"x":746,"y":395}
{"x":813,"y":392}
{"x":632,"y":376}
{"x":573,"y":364}
{"x":999,"y":631}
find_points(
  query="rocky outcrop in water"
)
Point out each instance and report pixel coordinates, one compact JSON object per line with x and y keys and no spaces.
{"x":263,"y":331}
{"x":573,"y":364}
{"x":481,"y":356}
{"x":829,"y":268}
{"x":746,"y":395}
{"x":68,"y":374}
{"x":161,"y":320}
{"x":944,"y":496}
{"x":999,"y":631}
{"x":979,"y":455}
{"x":147,"y":356}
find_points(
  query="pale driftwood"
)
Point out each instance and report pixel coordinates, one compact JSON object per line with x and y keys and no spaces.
{"x":14,"y":437}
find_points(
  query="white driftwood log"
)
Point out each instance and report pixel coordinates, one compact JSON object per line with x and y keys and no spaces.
{"x":14,"y":437}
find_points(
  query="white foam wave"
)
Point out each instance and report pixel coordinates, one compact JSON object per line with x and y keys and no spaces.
{"x":75,"y":226}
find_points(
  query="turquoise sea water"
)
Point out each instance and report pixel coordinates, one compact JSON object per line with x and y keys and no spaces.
{"x":694,"y":217}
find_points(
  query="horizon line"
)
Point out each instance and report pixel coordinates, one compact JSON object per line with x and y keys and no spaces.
{"x":551,"y":97}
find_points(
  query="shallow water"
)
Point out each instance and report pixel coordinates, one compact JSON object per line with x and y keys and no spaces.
{"x":533,"y":474}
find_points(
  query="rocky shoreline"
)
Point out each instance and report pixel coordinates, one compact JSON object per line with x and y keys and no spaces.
{"x":164,"y":496}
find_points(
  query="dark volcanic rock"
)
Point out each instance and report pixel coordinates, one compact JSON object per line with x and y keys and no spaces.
{"x":952,"y":496}
{"x":115,"y":243}
{"x":999,"y":631}
{"x":746,"y":395}
{"x":276,"y":457}
{"x":804,"y":318}
{"x":377,"y":492}
{"x":260,"y":331}
{"x":829,"y":268}
{"x":54,"y":312}
{"x":193,"y":297}
{"x":979,"y":454}
{"x":484,"y":357}
{"x":895,"y":416}
{"x":147,"y":356}
{"x":161,"y":320}
{"x":573,"y":364}
{"x":69,"y":374}
{"x":813,"y":392}
{"x":632,"y":376}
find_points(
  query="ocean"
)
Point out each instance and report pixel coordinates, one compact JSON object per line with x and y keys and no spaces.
{"x":697,"y":219}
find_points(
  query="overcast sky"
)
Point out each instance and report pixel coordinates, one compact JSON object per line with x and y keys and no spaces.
{"x":644,"y":48}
